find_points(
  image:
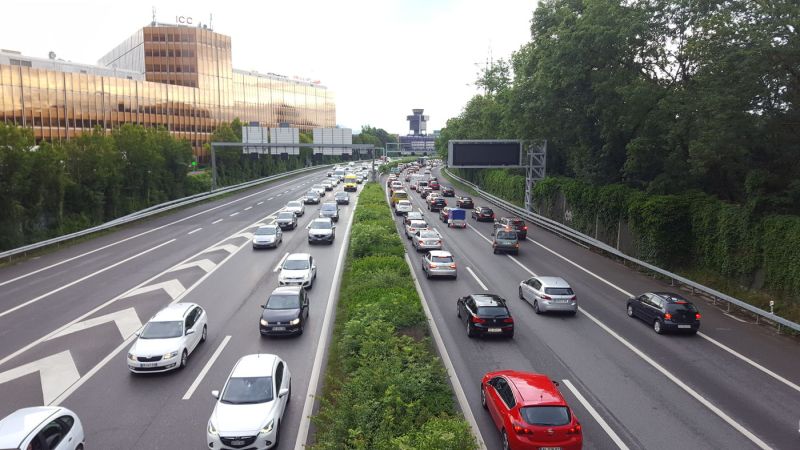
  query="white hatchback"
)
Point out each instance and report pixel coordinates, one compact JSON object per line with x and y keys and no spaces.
{"x":298,"y":269}
{"x":296,"y":207}
{"x":42,"y":427}
{"x":167,"y":340}
{"x":249,"y":410}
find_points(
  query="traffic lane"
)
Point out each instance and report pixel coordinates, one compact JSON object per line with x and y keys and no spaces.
{"x":231,"y":298}
{"x":628,"y":397}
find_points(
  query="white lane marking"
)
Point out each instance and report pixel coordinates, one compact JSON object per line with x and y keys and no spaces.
{"x":327,"y":322}
{"x":206,"y":264}
{"x":597,"y":417}
{"x":216,"y":221}
{"x":34,"y":300}
{"x":230,"y":248}
{"x":246,"y":235}
{"x":721,"y":414}
{"x":126,"y":320}
{"x":704,"y":336}
{"x":259,"y":203}
{"x":477,"y":279}
{"x":280,"y":263}
{"x":278,"y":195}
{"x":270,"y":198}
{"x":448,"y":364}
{"x":173,"y":288}
{"x":206,"y":368}
{"x":140,"y":234}
{"x":479,"y":233}
{"x":248,"y":208}
{"x":194,"y":231}
{"x":521,"y":265}
{"x":734,"y":317}
{"x":750,"y":361}
{"x":56,"y":372}
{"x":236,"y":213}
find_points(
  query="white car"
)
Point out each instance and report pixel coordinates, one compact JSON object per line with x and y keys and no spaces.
{"x":319,"y":189}
{"x":167,"y":340}
{"x":42,"y":427}
{"x":403,"y":207}
{"x":298,"y":269}
{"x":321,"y":230}
{"x":249,"y":410}
{"x":296,"y":207}
{"x":415,"y":225}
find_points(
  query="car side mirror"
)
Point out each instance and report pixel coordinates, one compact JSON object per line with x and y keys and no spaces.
{"x":188,"y":332}
{"x":313,"y":267}
{"x":631,"y":299}
{"x":283,"y":393}
{"x":215,"y":394}
{"x":264,"y":306}
{"x":333,"y":227}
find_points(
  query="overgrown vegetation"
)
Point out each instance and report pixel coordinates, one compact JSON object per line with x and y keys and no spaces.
{"x":385,"y":389}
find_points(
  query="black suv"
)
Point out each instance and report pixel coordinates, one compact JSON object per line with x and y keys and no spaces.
{"x":513,"y":223}
{"x":485,"y":314}
{"x":465,"y":203}
{"x":437,"y":204}
{"x":448,"y":191}
{"x":665,"y":311}
{"x":483,"y":214}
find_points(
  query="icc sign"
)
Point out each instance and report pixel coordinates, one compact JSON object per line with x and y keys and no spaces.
{"x":183,"y":20}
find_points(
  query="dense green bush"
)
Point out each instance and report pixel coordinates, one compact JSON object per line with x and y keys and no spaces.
{"x":385,"y":390}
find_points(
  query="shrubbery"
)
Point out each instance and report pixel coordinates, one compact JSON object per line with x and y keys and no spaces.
{"x":385,"y":389}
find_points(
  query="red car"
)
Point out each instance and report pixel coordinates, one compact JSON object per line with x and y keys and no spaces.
{"x":529,"y":411}
{"x":433,"y":184}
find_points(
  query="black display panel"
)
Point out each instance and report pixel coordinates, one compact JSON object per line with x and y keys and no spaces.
{"x":485,"y":154}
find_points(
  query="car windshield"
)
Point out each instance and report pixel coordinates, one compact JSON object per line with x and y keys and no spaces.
{"x":681,"y":307}
{"x":558,"y":291}
{"x":506,"y":235}
{"x":311,"y":194}
{"x":547,"y":416}
{"x":294,"y":205}
{"x":286,"y":215}
{"x":442,"y":259}
{"x":518,"y":223}
{"x":466,"y":199}
{"x":283,"y":301}
{"x":296,"y":264}
{"x":428,"y":234}
{"x":341,"y":195}
{"x":418,"y":224}
{"x":247,"y":390}
{"x":162,"y":330}
{"x":266,"y":231}
{"x":492,"y":311}
{"x":414,"y":215}
{"x":321,"y":225}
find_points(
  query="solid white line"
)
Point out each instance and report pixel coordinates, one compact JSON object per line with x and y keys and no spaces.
{"x":280,"y":263}
{"x":34,"y":300}
{"x":597,"y":417}
{"x":194,"y":231}
{"x":237,"y":212}
{"x":206,"y":368}
{"x":270,"y":198}
{"x":479,"y":233}
{"x":327,"y":322}
{"x":248,"y":208}
{"x":216,"y":221}
{"x":721,"y":414}
{"x":259,"y":203}
{"x":477,"y":279}
{"x":735,"y":318}
{"x":521,"y":265}
{"x":750,"y":361}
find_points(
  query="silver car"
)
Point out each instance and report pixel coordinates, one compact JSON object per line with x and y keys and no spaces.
{"x":413,"y":226}
{"x":296,"y":207}
{"x":549,"y":294}
{"x":438,"y":263}
{"x":427,"y":240}
{"x":412,"y":215}
{"x":269,"y":236}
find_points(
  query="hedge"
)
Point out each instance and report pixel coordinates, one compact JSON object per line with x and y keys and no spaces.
{"x":385,"y":389}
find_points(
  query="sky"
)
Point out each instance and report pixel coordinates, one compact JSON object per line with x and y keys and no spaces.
{"x":381,"y":58}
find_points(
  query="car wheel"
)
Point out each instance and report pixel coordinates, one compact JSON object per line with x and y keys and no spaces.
{"x":302,"y":328}
{"x":184,"y":359}
{"x":278,"y":434}
{"x":79,"y":447}
{"x":458,"y":311}
{"x":483,"y":398}
{"x":520,"y":294}
{"x":630,"y":310}
{"x":657,"y":326}
{"x":536,"y":307}
{"x":470,"y":332}
{"x":428,"y":275}
{"x":504,"y":438}
{"x":573,"y":313}
{"x":205,"y":334}
{"x":494,"y":250}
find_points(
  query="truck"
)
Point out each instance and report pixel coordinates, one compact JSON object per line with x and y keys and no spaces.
{"x":457,"y":217}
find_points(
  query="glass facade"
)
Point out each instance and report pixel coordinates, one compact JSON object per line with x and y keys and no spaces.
{"x":177,"y":77}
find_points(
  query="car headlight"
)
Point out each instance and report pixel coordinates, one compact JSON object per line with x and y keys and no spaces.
{"x":171,"y":355}
{"x":264,"y":322}
{"x":212,"y":430}
{"x":294,"y":321}
{"x":268,"y":427}
{"x":131,"y":357}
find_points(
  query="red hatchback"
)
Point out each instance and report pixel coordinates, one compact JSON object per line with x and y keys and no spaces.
{"x":529,"y":411}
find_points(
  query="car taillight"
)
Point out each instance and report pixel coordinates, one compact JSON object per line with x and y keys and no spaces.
{"x":433,"y":266}
{"x":492,"y":216}
{"x":477,"y":320}
{"x":525,"y":228}
{"x":697,"y":316}
{"x":546,"y":297}
{"x":667,"y":316}
{"x":521,"y":429}
{"x":574,"y":298}
{"x":453,"y":266}
{"x":508,"y":320}
{"x":575,"y":429}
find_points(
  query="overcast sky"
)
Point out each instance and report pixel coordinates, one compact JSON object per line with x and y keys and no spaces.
{"x":381,"y":57}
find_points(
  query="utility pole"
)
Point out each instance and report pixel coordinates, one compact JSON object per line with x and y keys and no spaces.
{"x":213,"y":168}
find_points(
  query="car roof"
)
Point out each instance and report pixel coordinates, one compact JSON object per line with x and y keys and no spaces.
{"x":295,"y":202}
{"x":257,"y":365}
{"x":272,"y":225}
{"x":15,"y":427}
{"x":330,"y":204}
{"x":671,"y":297}
{"x":322,"y":219}
{"x":413,"y":221}
{"x":488,"y":300}
{"x":286,"y":290}
{"x":534,"y":388}
{"x":298,"y":256}
{"x":553,"y":282}
{"x":440,"y":253}
{"x":175,"y":311}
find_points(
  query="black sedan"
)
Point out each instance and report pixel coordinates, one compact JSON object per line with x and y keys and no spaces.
{"x":285,"y":312}
{"x":311,"y":197}
{"x":342,"y":198}
{"x":465,"y":203}
{"x":483,"y":214}
{"x":485,"y":315}
{"x":448,"y":191}
{"x":665,"y":311}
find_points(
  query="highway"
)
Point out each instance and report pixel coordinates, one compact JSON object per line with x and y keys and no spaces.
{"x":734,"y":385}
{"x":67,"y":318}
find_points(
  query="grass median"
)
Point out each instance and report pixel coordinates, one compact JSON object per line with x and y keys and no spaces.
{"x":385,"y":387}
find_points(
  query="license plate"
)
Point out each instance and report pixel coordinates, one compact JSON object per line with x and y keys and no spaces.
{"x":278,"y":328}
{"x":237,"y":442}
{"x":684,"y":326}
{"x":150,"y":364}
{"x":560,"y":301}
{"x":549,"y":448}
{"x":494,"y":330}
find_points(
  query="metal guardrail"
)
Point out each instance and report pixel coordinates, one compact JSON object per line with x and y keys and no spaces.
{"x":569,"y":233}
{"x":156,"y":209}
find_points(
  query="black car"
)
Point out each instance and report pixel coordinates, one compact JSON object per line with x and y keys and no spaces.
{"x":342,"y":198}
{"x":465,"y":203}
{"x":287,"y":220}
{"x":485,"y":314}
{"x":448,"y":191}
{"x":285,"y":312}
{"x":330,"y":209}
{"x":437,"y":204}
{"x":665,"y":311}
{"x":513,"y":223}
{"x":483,"y":214}
{"x":311,"y":197}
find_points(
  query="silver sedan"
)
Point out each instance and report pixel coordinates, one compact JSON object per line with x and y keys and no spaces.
{"x":438,"y":263}
{"x":548,"y":294}
{"x":427,"y":240}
